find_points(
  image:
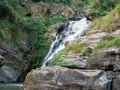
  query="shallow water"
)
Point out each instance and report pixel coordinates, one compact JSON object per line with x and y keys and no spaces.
{"x":11,"y":86}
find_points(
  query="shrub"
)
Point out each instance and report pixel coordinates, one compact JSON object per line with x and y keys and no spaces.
{"x":107,"y":43}
{"x":101,"y":7}
{"x":108,"y":23}
{"x":54,"y":19}
{"x":57,"y":60}
{"x":73,"y":47}
{"x":66,"y":2}
{"x":36,"y":29}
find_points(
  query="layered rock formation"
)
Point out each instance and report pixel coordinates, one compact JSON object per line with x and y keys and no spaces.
{"x":60,"y":78}
{"x":12,"y":61}
{"x":99,"y":71}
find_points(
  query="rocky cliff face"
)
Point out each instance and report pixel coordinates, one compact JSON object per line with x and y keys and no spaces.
{"x":60,"y":78}
{"x":87,"y":70}
{"x":97,"y":67}
{"x":99,"y":71}
{"x":13,"y":61}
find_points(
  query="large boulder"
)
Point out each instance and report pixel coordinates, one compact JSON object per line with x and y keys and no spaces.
{"x":106,"y":59}
{"x":61,"y":78}
{"x":116,"y":83}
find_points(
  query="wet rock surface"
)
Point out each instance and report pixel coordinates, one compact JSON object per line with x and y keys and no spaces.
{"x":76,"y":60}
{"x":60,"y":78}
{"x":11,"y":63}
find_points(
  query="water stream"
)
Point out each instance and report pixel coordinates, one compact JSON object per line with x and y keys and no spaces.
{"x":71,"y":32}
{"x":11,"y":86}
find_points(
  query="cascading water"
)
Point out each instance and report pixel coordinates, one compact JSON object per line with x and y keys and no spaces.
{"x":72,"y":31}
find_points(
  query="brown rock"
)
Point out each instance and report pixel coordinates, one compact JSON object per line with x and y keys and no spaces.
{"x":106,"y":59}
{"x":60,"y":78}
{"x":43,"y":9}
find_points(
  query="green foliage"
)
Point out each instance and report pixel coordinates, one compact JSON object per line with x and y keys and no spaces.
{"x":54,"y":19}
{"x":12,"y":9}
{"x":65,"y":2}
{"x":107,"y":43}
{"x":101,"y":7}
{"x":73,"y":47}
{"x":84,"y":33}
{"x":79,"y":5}
{"x":97,"y":7}
{"x":57,"y":60}
{"x":11,"y":33}
{"x":36,"y":29}
{"x":108,"y":22}
{"x":86,"y":52}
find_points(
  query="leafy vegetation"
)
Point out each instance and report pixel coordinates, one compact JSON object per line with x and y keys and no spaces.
{"x":16,"y":27}
{"x":66,"y":2}
{"x":72,"y":47}
{"x":107,"y":43}
{"x":108,"y":22}
{"x":36,"y":29}
{"x":57,"y":60}
{"x":11,"y":33}
{"x":54,"y":19}
{"x":84,"y":33}
{"x":97,"y":8}
{"x":101,"y":7}
{"x":12,"y":9}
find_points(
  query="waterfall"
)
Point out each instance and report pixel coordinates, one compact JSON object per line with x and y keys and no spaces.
{"x":72,"y":31}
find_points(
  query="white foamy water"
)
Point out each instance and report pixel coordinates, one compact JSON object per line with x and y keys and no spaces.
{"x":71,"y":32}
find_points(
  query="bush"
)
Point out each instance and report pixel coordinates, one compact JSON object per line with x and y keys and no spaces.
{"x":57,"y":60}
{"x":65,"y":2}
{"x":12,"y":9}
{"x":101,"y":7}
{"x":73,"y":47}
{"x":107,"y":43}
{"x":36,"y":29}
{"x":108,"y":23}
{"x":54,"y":19}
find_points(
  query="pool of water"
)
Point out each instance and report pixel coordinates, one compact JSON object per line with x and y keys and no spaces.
{"x":11,"y":86}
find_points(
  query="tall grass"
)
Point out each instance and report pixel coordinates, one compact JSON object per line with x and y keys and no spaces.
{"x":107,"y":43}
{"x":73,"y":47}
{"x":107,"y":23}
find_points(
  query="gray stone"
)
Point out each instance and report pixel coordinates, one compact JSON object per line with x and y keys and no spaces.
{"x":11,"y":63}
{"x":7,"y":74}
{"x":60,"y":78}
{"x":106,"y":59}
{"x":116,"y":83}
{"x":75,"y":60}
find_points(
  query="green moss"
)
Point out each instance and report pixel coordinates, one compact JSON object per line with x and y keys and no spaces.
{"x":107,"y":43}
